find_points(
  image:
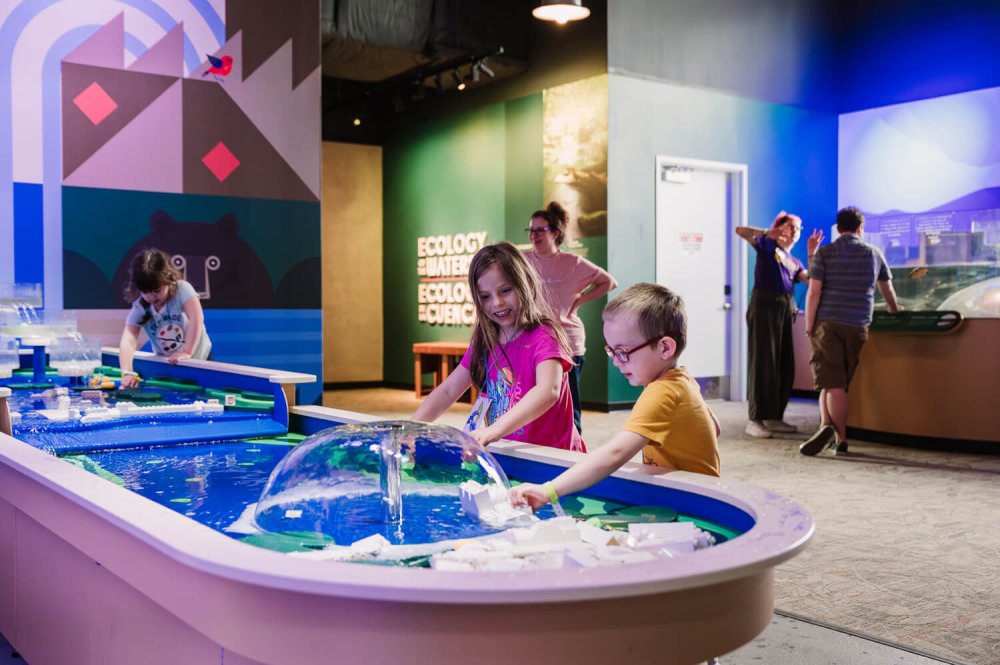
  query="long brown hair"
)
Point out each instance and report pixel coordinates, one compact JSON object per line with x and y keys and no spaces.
{"x":150,"y":269}
{"x":524,"y":280}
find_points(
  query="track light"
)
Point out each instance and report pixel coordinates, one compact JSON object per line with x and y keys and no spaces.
{"x":560,"y":11}
{"x":357,"y":121}
{"x":438,"y":82}
{"x":484,"y":69}
{"x":459,"y":83}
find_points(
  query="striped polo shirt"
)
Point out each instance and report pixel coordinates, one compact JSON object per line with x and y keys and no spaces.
{"x":849,"y":268}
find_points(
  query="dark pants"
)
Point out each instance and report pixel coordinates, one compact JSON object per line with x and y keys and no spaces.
{"x":574,"y":390}
{"x":772,"y":356}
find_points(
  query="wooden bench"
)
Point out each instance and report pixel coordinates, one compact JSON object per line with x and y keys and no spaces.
{"x":439,"y":359}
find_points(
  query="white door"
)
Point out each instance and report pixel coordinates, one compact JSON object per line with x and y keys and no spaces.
{"x":697,"y":204}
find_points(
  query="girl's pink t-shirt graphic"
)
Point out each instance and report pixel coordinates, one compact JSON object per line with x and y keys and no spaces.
{"x":510,"y":374}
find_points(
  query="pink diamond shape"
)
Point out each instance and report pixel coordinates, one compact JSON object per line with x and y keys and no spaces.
{"x":220,"y":161}
{"x":95,"y":103}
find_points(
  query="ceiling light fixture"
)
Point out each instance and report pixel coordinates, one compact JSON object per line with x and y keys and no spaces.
{"x":459,"y":83}
{"x":486,"y":70}
{"x":560,"y":11}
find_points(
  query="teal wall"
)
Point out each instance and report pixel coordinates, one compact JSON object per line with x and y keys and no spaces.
{"x":790,"y":152}
{"x":478,"y":171}
{"x":444,"y":178}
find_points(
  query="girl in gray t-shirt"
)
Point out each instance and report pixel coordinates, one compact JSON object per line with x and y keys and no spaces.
{"x":167,"y":308}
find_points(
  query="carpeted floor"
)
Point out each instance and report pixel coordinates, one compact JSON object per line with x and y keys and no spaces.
{"x":907,"y":545}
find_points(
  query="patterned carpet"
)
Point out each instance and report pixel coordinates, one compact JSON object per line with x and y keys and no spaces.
{"x":907,"y":545}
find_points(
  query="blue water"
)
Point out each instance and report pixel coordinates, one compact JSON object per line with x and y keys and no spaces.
{"x":214,"y":483}
{"x":210,"y":483}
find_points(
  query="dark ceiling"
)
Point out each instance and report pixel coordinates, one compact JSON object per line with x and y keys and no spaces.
{"x":389,"y":63}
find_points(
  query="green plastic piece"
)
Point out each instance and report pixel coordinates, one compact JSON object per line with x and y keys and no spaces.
{"x":87,"y":464}
{"x":649,"y":513}
{"x":171,"y":383}
{"x":138,"y":395}
{"x":245,"y":400}
{"x":29,"y":386}
{"x":182,"y":499}
{"x":289,"y":541}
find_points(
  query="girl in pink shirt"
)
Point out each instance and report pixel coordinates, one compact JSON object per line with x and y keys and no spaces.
{"x":518,"y":358}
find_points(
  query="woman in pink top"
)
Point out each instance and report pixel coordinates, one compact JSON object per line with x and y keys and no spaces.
{"x":569,"y":280}
{"x":518,"y":357}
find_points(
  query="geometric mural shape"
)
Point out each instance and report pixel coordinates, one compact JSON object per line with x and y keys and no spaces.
{"x":104,"y":47}
{"x":211,"y":117}
{"x":294,"y":140}
{"x":165,"y":57}
{"x":95,"y":103}
{"x":131,"y":91}
{"x":220,"y":161}
{"x":144,"y":156}
{"x":267,"y":26}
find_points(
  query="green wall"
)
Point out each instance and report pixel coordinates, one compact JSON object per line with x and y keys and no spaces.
{"x":479,"y":171}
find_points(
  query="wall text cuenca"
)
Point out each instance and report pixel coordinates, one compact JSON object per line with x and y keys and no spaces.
{"x":443,"y":296}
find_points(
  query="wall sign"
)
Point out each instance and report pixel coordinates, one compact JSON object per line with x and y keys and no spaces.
{"x":443,"y":296}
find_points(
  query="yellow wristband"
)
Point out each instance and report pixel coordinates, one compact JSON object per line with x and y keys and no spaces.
{"x":551,"y":491}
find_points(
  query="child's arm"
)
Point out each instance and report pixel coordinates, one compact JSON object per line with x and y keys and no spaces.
{"x":195,"y":329}
{"x":538,"y":400}
{"x":598,"y":465}
{"x":443,"y":396}
{"x":126,"y":352}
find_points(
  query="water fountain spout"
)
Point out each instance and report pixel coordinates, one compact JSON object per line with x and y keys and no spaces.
{"x":390,"y":475}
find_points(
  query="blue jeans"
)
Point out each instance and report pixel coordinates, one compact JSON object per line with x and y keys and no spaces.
{"x":574,"y":390}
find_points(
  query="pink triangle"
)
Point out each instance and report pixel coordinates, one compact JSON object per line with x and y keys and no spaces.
{"x":165,"y":56}
{"x":146,"y":155}
{"x":105,"y":48}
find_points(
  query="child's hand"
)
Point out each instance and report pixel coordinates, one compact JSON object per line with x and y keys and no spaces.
{"x":129,"y":381}
{"x":485,"y":436}
{"x":179,"y":355}
{"x":530,"y":494}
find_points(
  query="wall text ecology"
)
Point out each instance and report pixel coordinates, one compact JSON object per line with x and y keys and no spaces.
{"x":443,"y":297}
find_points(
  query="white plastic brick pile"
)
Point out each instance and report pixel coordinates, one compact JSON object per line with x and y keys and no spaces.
{"x":563,"y":542}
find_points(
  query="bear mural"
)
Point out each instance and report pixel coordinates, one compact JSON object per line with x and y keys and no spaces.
{"x":222,"y":267}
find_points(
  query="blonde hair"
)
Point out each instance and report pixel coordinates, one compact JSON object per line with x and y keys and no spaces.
{"x":523,"y":278}
{"x":658,"y":312}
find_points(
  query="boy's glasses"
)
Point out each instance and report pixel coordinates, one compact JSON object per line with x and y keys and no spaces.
{"x":541,"y":229}
{"x":622,"y":355}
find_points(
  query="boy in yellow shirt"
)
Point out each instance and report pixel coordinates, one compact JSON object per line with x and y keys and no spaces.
{"x":646,"y":330}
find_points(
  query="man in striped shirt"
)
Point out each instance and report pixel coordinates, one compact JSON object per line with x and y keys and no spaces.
{"x":839,"y":306}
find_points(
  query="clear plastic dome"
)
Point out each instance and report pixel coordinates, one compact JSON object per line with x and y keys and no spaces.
{"x":399,"y":479}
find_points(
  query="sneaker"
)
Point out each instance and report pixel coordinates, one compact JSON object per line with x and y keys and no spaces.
{"x":780,"y":426}
{"x":757,"y":430}
{"x":840,"y":448}
{"x":823,"y":437}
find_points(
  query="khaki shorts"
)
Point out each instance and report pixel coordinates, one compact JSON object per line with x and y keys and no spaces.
{"x":836,"y":348}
